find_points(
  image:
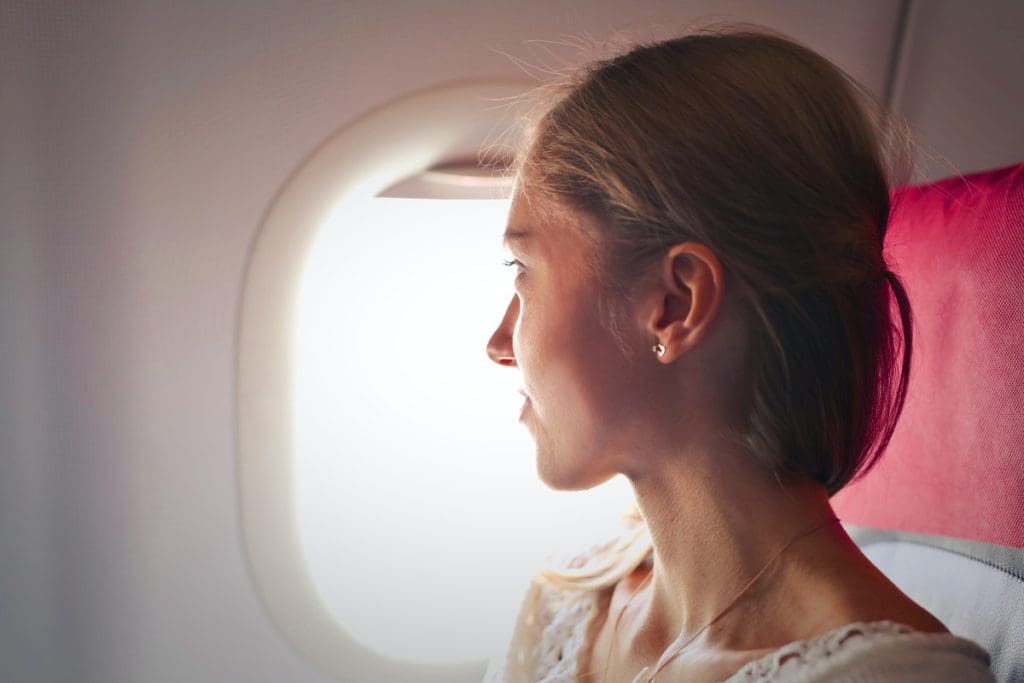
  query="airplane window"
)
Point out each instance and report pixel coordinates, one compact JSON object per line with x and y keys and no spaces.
{"x":418,"y":507}
{"x":388,"y":494}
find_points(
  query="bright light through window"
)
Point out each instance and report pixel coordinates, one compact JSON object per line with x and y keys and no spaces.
{"x":418,"y":504}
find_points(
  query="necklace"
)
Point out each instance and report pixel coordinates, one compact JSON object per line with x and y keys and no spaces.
{"x":663,"y":660}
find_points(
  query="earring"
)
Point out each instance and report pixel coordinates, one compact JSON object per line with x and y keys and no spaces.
{"x":659,"y":349}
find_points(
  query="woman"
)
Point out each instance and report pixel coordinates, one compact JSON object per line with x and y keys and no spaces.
{"x":702,"y":305}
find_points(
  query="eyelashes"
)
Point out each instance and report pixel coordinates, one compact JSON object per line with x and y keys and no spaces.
{"x":519,"y":271}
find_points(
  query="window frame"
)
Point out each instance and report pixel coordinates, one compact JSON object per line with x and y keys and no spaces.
{"x":396,"y":140}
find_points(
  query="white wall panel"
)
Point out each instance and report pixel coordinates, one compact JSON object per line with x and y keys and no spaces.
{"x":962,"y":90}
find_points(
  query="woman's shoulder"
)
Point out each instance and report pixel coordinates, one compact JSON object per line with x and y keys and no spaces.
{"x":878,"y":651}
{"x":552,"y":629}
{"x":560,"y":608}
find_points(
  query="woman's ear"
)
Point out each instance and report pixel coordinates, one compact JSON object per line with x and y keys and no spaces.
{"x":682,"y":299}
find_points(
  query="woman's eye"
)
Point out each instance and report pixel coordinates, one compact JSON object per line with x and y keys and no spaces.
{"x":519,"y":270}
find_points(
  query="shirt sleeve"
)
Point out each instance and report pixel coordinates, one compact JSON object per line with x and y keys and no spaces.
{"x":513,"y":665}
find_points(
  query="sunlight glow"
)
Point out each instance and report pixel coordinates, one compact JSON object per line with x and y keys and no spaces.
{"x":419,"y":509}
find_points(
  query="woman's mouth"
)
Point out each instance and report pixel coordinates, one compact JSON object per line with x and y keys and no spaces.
{"x":526,"y":404}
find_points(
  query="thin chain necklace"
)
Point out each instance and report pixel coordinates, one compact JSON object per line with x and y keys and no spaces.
{"x":663,"y":660}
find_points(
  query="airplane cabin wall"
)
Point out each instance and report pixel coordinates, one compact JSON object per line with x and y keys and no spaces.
{"x":141,"y":144}
{"x":961,"y":89}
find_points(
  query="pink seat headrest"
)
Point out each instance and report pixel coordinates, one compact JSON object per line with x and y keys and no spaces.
{"x":955,"y":465}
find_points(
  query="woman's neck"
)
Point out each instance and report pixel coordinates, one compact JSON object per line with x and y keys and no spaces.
{"x":716,"y":519}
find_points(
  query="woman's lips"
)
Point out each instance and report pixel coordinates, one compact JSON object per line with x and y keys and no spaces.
{"x":526,"y":404}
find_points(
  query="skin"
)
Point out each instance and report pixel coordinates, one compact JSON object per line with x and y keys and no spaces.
{"x":716,"y":517}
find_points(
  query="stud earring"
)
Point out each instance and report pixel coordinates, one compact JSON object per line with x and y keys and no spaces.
{"x":659,"y":349}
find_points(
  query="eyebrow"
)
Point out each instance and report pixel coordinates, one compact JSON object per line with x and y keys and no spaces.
{"x":515,"y":235}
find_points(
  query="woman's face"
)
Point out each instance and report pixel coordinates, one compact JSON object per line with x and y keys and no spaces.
{"x":575,"y":376}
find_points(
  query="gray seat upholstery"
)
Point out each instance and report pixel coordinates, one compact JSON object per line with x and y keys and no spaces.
{"x":976,"y":589}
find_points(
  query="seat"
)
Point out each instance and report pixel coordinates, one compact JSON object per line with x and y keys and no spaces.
{"x":942,"y":514}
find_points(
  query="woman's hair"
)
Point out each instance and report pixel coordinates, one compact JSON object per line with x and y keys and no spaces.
{"x":780,"y":163}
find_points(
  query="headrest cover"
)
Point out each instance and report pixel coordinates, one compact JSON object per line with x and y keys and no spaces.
{"x":955,"y":464}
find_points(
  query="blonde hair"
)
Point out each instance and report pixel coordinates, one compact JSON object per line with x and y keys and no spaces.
{"x":781,"y":164}
{"x":605,"y":564}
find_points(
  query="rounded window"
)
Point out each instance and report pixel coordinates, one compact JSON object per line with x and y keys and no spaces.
{"x":390,"y":506}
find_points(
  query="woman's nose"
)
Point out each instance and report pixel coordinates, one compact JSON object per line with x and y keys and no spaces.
{"x":499,"y":347}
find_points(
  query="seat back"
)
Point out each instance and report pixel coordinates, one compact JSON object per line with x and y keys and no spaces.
{"x":943,"y":512}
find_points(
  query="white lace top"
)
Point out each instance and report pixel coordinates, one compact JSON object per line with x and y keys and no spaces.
{"x":553,"y":631}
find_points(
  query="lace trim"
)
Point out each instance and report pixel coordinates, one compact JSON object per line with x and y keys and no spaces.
{"x":802,"y":652}
{"x":564,"y":636}
{"x":567,"y":619}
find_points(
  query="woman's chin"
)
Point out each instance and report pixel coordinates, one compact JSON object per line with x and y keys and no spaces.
{"x":562,"y":476}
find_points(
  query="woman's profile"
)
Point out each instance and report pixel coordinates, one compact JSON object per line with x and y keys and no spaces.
{"x":702,"y":305}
